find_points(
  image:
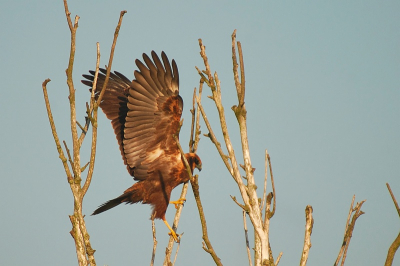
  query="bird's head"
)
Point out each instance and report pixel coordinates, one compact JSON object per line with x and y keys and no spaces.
{"x":194,"y":161}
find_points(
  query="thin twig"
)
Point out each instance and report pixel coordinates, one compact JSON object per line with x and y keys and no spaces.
{"x":71,"y":162}
{"x":242,"y":76}
{"x":307,"y":235}
{"x":176,"y":253}
{"x":214,"y":138}
{"x":345,"y":231}
{"x":93,"y":118}
{"x":235,"y":67}
{"x":193,"y":124}
{"x":271,"y":214}
{"x":246,"y":209}
{"x":265,"y":181}
{"x":153,"y":229}
{"x":89,"y":109}
{"x":54,"y":132}
{"x":394,"y":199}
{"x":111,"y":57}
{"x":246,"y":235}
{"x":197,"y":132}
{"x":278,"y":258}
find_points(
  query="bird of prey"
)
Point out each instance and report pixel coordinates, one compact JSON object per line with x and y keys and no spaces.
{"x":145,"y":114}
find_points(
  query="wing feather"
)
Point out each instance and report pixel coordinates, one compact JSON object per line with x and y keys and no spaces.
{"x":142,"y":81}
{"x":153,"y":71}
{"x":144,"y":113}
{"x":114,"y":102}
{"x":155,"y":109}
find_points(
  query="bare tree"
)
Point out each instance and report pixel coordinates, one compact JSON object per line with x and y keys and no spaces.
{"x":258,"y":209}
{"x":84,"y":250}
{"x":246,"y":184}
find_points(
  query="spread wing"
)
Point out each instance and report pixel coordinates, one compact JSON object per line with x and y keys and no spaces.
{"x":145,"y":113}
{"x":114,"y":102}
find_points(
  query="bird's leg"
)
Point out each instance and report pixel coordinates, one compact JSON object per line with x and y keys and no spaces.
{"x":178,"y":202}
{"x":172,"y":232}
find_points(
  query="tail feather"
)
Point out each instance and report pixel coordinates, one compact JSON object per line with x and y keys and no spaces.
{"x":131,"y":195}
{"x":110,"y":204}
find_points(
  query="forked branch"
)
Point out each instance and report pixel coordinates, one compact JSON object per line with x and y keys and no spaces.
{"x":348,"y":233}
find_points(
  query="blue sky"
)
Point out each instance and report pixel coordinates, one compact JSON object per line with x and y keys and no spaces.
{"x":322,"y":95}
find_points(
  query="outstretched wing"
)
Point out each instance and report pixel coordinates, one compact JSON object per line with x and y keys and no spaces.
{"x":155,"y":109}
{"x":144,"y":113}
{"x":114,"y":102}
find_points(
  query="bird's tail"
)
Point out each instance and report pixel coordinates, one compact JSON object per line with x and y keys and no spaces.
{"x":130,"y":195}
{"x":108,"y":205}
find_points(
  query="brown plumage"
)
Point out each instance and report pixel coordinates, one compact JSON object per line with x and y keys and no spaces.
{"x":145,"y":113}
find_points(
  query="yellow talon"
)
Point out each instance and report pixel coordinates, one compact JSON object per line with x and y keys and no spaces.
{"x":172,"y":232}
{"x":178,"y":202}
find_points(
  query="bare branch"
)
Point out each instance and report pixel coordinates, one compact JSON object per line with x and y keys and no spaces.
{"x":214,"y":138}
{"x":54,"y":131}
{"x":307,"y":235}
{"x":235,"y":67}
{"x":246,"y":209}
{"x":278,"y":259}
{"x":89,"y":109}
{"x":176,"y":253}
{"x":396,"y":243}
{"x":394,"y":199}
{"x":93,"y":118}
{"x":247,"y":238}
{"x":392,"y":251}
{"x":77,"y":236}
{"x":345,"y":230}
{"x":349,"y":230}
{"x":111,"y":57}
{"x":195,"y":187}
{"x":265,"y":183}
{"x":153,"y":229}
{"x":271,"y":214}
{"x":71,"y":162}
{"x":210,"y":81}
{"x":193,"y":124}
{"x":197,"y":132}
{"x":71,"y":97}
{"x":242,"y":76}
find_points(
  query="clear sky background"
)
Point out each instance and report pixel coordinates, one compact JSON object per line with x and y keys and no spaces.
{"x":322,"y":96}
